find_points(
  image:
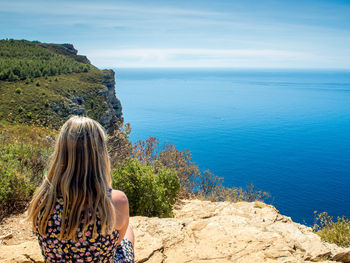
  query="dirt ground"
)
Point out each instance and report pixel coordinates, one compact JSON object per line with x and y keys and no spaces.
{"x":15,"y":230}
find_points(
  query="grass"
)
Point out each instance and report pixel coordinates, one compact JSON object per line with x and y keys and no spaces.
{"x":337,"y":232}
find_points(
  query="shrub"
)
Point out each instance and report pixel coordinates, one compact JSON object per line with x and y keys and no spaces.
{"x":210,"y":187}
{"x":150,"y":193}
{"x":18,"y":90}
{"x":24,"y":151}
{"x":29,"y":115}
{"x":37,"y":83}
{"x":20,"y":109}
{"x":204,"y":185}
{"x":146,"y":151}
{"x":15,"y":189}
{"x":333,"y":232}
{"x":119,"y":146}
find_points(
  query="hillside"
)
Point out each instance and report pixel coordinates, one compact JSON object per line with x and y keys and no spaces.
{"x":45,"y":83}
{"x":201,"y":231}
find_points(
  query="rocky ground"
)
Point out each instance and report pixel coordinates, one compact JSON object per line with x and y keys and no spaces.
{"x":201,"y":232}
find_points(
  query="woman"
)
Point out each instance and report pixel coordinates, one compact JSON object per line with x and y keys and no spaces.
{"x":75,"y":213}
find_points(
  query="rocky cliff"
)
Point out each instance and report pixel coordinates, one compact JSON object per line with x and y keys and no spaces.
{"x":113,"y":113}
{"x":201,"y":231}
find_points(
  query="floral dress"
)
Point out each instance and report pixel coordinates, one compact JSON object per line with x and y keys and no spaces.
{"x":100,"y":249}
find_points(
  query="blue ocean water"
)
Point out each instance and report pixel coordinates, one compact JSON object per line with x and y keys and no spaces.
{"x":287,"y":132}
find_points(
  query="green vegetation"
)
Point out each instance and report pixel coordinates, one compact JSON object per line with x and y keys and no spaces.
{"x":150,"y":192}
{"x":337,"y":232}
{"x":39,"y":81}
{"x":24,"y":151}
{"x":21,"y":59}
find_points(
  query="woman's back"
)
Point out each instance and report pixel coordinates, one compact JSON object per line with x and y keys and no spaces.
{"x":86,"y":249}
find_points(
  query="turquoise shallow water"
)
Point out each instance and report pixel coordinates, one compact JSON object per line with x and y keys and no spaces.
{"x":287,"y":132}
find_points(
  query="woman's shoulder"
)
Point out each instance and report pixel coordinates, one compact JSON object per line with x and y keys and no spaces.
{"x":119,"y":198}
{"x":121,"y":205}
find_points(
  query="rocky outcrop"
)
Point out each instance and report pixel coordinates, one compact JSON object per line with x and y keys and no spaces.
{"x":202,"y":231}
{"x":76,"y":103}
{"x":114,"y":108}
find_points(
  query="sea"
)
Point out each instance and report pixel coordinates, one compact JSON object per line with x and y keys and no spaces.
{"x":287,"y":132}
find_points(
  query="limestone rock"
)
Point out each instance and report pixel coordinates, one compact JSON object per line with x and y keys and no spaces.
{"x":114,"y":107}
{"x":203,"y":231}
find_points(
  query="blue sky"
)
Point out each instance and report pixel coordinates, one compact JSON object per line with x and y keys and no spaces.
{"x":229,"y":34}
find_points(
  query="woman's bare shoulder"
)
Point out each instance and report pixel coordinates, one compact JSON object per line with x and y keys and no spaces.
{"x":121,"y":205}
{"x":119,"y":199}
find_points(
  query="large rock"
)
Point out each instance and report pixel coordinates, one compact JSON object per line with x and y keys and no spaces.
{"x":203,"y":231}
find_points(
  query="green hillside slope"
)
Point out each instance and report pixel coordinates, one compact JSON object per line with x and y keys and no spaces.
{"x":46,"y":83}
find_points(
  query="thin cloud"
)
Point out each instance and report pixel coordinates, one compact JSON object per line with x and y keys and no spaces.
{"x":188,"y":57}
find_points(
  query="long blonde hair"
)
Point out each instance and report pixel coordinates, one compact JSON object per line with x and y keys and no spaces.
{"x":79,"y":172}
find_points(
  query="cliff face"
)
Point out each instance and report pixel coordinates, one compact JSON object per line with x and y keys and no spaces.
{"x":201,"y":231}
{"x":113,"y":113}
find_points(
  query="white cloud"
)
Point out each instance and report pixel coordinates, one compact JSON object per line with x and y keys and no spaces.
{"x":189,"y":57}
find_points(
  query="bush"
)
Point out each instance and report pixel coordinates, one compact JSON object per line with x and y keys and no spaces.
{"x":333,"y":232}
{"x":194,"y":184}
{"x":15,"y":189}
{"x":147,"y":152}
{"x":24,"y":151}
{"x":38,"y":84}
{"x":20,"y":109}
{"x":150,"y":193}
{"x":18,"y":90}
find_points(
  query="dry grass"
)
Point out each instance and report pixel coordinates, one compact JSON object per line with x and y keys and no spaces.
{"x":337,"y":232}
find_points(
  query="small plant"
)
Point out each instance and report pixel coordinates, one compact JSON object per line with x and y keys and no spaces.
{"x":19,"y":91}
{"x":35,"y":108}
{"x":37,"y":84}
{"x":337,"y":232}
{"x":29,"y":115}
{"x":12,"y":101}
{"x":43,"y":93}
{"x":56,"y":79}
{"x":46,"y":103}
{"x":20,"y":109}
